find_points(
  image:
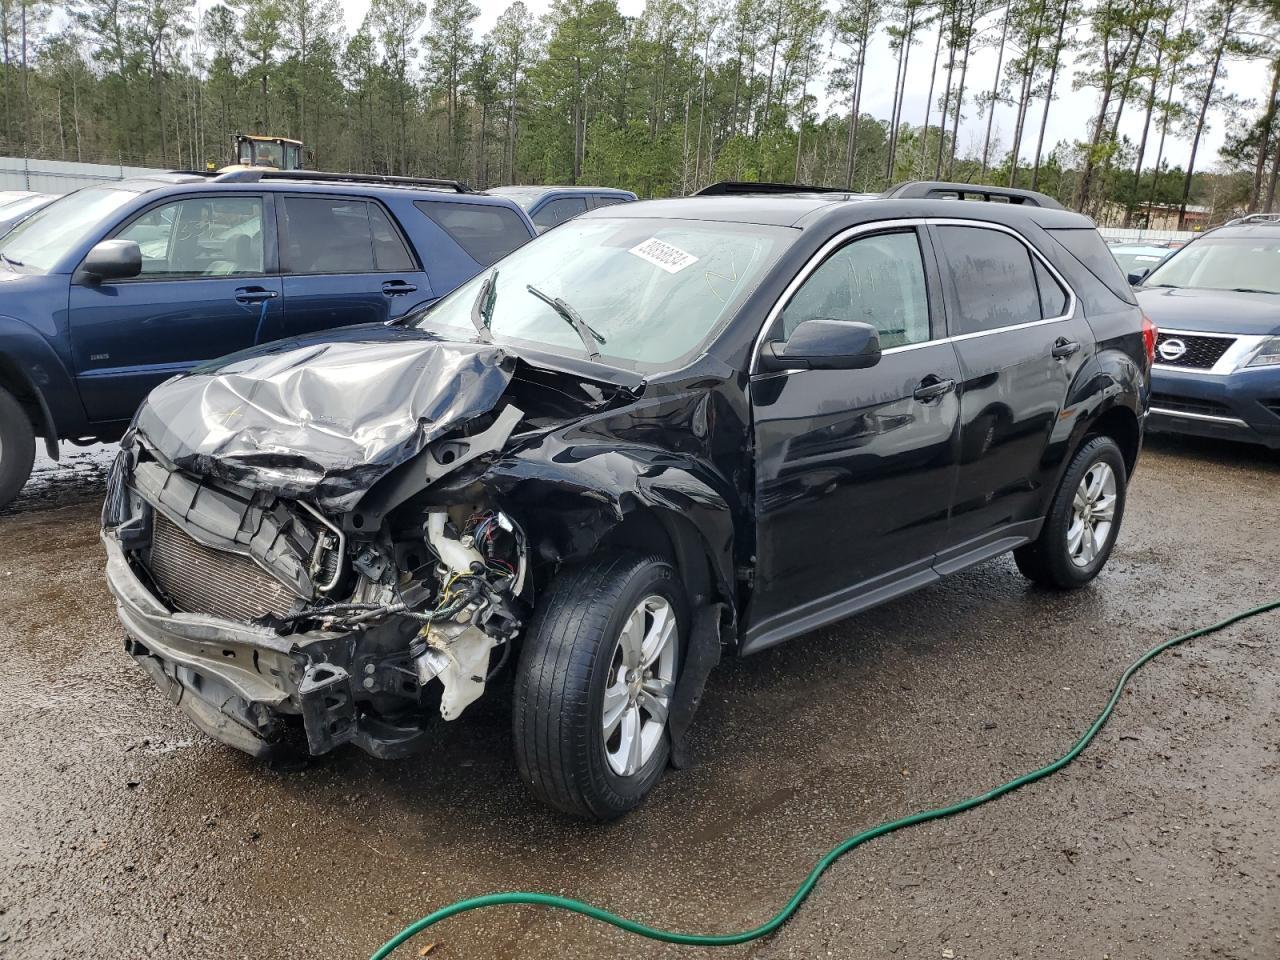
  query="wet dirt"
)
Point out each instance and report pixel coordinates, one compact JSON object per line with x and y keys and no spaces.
{"x":127,"y":833}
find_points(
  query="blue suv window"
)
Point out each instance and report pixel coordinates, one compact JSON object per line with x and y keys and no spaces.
{"x":339,"y":235}
{"x":200,"y":237}
{"x":487,"y":233}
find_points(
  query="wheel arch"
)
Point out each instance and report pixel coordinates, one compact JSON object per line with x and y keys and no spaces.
{"x":1120,"y":424}
{"x":15,"y":380}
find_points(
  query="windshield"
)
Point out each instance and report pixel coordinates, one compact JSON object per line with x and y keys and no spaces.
{"x":653,"y":290}
{"x":1135,"y":261}
{"x":37,"y":244}
{"x":1223,"y":263}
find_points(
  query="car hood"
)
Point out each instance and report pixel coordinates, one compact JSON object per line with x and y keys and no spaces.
{"x":325,"y":417}
{"x":1213,"y":311}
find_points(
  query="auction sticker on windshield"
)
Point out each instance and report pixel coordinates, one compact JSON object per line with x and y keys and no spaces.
{"x":662,"y":254}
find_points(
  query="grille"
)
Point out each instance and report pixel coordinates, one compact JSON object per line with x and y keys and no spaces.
{"x":1207,"y":408}
{"x":198,"y":579}
{"x":1273,"y":405}
{"x":1202,"y":352}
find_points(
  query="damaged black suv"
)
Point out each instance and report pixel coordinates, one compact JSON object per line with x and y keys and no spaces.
{"x":660,"y":433}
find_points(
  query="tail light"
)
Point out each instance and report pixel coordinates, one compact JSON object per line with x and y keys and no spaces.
{"x":1149,"y":334}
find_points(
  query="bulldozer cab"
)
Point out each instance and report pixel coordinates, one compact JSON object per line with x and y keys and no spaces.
{"x":273,"y":153}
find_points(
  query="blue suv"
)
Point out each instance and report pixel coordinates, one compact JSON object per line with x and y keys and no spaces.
{"x":113,"y":289}
{"x":1216,"y":303}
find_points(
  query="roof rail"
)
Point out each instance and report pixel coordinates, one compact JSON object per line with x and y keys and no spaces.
{"x":942,"y":190}
{"x":324,"y":176}
{"x":1253,"y":218}
{"x":738,"y":188}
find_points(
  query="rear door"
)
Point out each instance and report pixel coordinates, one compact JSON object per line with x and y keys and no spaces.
{"x":207,"y":288}
{"x":344,"y":261}
{"x":855,"y":469}
{"x":1021,"y":341}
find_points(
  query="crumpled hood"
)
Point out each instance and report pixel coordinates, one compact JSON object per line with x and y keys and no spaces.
{"x":323,"y":419}
{"x":1213,"y":311}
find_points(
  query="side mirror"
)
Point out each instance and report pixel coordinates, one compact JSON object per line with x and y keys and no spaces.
{"x":111,"y":260}
{"x":1137,"y":278}
{"x":825,"y":345}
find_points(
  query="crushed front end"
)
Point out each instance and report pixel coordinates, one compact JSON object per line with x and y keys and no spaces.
{"x":260,"y":615}
{"x":255,"y":586}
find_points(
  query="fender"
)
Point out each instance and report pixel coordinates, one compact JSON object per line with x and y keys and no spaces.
{"x":573,"y":496}
{"x":29,"y":362}
{"x":1111,"y":379}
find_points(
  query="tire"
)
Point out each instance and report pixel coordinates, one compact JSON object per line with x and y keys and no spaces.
{"x":574,"y":649}
{"x":17,"y":447}
{"x":1058,"y":558}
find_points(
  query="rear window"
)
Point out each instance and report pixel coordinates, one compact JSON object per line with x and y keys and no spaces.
{"x":326,"y":235}
{"x":991,"y":278}
{"x":1087,"y":246}
{"x":486,"y":233}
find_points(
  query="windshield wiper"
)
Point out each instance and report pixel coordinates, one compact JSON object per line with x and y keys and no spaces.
{"x":482,"y":308}
{"x":1251,"y":290}
{"x":12,"y":262}
{"x":573,"y":318}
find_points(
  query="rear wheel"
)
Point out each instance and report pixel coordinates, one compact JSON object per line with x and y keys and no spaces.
{"x":1084,"y":519}
{"x":17,"y":447}
{"x":595,"y":683}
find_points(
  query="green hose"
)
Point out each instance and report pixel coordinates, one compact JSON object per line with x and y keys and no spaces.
{"x":805,"y":888}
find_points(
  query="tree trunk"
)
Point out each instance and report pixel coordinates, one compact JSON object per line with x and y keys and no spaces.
{"x":995,"y":95}
{"x":1146,"y":126}
{"x":1048,"y":96}
{"x":964,"y":72}
{"x":1200,"y":120}
{"x":928,"y":104}
{"x":1264,"y":141}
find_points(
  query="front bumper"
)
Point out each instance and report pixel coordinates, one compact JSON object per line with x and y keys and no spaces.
{"x":1244,"y":405}
{"x":247,"y":686}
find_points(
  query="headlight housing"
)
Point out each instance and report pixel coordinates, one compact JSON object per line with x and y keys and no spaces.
{"x":1267,"y":354}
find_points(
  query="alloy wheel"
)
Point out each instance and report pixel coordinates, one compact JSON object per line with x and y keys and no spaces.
{"x":641,"y":681}
{"x":1092,"y":514}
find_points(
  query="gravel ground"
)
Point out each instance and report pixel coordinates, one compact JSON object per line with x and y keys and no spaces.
{"x":127,"y":833}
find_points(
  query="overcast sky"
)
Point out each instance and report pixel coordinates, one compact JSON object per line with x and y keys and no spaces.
{"x":1067,"y":121}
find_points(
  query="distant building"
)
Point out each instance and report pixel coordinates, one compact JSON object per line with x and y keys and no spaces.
{"x":1156,"y":216}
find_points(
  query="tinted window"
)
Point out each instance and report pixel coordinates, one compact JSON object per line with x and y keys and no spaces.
{"x":1087,"y":246}
{"x":204,"y":237}
{"x":990,"y":274}
{"x":388,"y":249}
{"x":877,"y":280}
{"x":560,"y":210}
{"x":602,"y":201}
{"x":325,"y":235}
{"x":1053,"y":299}
{"x":486,"y":233}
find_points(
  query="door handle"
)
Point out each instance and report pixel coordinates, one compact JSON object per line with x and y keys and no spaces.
{"x":254,"y":295}
{"x":1063,"y":348}
{"x":394,"y":288}
{"x":933,"y":388}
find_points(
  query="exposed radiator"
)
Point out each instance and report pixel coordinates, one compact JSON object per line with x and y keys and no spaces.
{"x":198,"y":579}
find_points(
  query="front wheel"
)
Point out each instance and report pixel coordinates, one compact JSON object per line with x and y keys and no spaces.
{"x":1083,"y":521}
{"x":17,"y":447}
{"x":595,"y":684}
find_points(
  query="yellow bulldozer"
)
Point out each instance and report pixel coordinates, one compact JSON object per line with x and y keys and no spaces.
{"x":252,"y":152}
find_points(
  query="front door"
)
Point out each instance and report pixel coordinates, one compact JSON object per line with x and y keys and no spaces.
{"x":854,"y":468}
{"x":206,"y":289}
{"x":344,"y":262}
{"x":1020,"y":345}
